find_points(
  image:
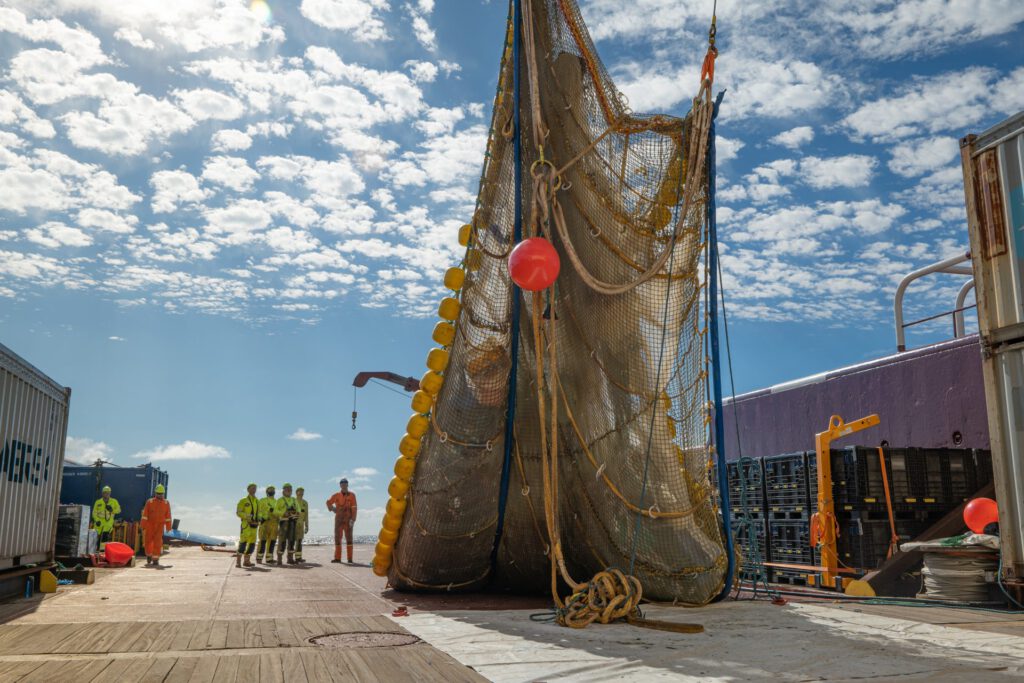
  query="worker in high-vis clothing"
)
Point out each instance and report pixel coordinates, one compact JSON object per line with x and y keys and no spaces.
{"x":248,"y":514}
{"x":343,"y":505}
{"x":288,"y":515}
{"x":302,"y":525}
{"x":104,"y":514}
{"x":156,"y":519}
{"x":268,"y":527}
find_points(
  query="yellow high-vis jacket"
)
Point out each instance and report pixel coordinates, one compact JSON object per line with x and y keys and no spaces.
{"x":103,"y":514}
{"x":267,"y":510}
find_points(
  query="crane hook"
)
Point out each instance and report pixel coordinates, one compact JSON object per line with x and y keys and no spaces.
{"x":354,"y":419}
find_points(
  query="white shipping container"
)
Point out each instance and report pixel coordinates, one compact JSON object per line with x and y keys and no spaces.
{"x":33,"y":431}
{"x":993,"y":165}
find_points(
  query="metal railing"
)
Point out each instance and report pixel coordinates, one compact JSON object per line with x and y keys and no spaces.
{"x":950,"y":266}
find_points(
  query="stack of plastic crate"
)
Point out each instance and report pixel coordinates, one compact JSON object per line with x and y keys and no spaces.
{"x":788,"y":509}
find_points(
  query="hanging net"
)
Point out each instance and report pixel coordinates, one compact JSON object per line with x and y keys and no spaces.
{"x":608,"y":447}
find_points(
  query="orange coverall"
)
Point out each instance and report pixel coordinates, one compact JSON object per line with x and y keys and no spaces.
{"x":156,"y":518}
{"x":344,"y":506}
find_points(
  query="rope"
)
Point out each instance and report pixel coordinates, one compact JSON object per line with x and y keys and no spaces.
{"x":610,"y":595}
{"x":698,"y":143}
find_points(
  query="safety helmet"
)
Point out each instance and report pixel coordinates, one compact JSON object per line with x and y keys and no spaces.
{"x":251,"y":486}
{"x":160,"y":488}
{"x":287,"y":486}
{"x":270,"y":489}
{"x":300,"y":489}
{"x":106,"y":489}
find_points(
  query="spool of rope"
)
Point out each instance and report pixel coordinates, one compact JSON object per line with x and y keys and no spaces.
{"x":958,"y":578}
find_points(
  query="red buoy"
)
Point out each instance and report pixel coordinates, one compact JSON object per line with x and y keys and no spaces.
{"x":534,"y":264}
{"x":979,"y":513}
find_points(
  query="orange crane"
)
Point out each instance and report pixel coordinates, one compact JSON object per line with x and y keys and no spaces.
{"x":410,"y":384}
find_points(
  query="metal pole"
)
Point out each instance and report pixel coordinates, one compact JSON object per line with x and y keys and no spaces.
{"x":716,"y":362}
{"x":510,"y":413}
{"x":959,"y":328}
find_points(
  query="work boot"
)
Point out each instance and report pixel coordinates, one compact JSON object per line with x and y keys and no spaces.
{"x":238,"y":560}
{"x":291,"y":558}
{"x":351,"y":562}
{"x":248,"y":562}
{"x":259,"y":560}
{"x":279,"y":556}
{"x":298,"y":559}
{"x":336,"y":560}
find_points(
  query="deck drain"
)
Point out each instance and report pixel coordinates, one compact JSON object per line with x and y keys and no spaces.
{"x":361,"y":639}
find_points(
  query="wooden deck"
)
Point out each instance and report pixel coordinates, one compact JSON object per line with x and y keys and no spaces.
{"x":202,"y":619}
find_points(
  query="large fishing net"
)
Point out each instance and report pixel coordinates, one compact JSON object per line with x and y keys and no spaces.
{"x":608,"y":447}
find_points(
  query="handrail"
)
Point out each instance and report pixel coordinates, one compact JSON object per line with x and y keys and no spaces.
{"x":959,"y":329}
{"x":949,"y":266}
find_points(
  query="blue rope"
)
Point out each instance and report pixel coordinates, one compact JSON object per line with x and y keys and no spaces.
{"x":716,"y":361}
{"x":506,"y":465}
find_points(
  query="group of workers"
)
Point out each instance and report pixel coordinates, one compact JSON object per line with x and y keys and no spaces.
{"x":155,"y":520}
{"x":280,"y":524}
{"x":274,"y":523}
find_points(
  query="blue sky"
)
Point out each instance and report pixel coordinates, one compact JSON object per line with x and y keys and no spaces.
{"x":214,"y":213}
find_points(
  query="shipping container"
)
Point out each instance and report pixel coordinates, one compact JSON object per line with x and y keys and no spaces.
{"x":131,"y":486}
{"x":33,"y":432}
{"x":993,"y":167}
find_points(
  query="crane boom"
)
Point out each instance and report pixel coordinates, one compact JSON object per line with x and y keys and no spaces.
{"x":407,"y":383}
{"x":410,"y":384}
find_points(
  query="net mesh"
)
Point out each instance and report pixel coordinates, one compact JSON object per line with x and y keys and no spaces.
{"x":610,"y":453}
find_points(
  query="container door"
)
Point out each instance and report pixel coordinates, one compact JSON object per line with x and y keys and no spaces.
{"x":1010,"y":380}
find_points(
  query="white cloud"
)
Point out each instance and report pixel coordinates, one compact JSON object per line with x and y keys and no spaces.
{"x":230,"y":141}
{"x":76,"y":42}
{"x":419,"y":14}
{"x":917,"y":157}
{"x":14,"y":111}
{"x":237,"y":223}
{"x":188,"y":450}
{"x":851,"y":170}
{"x":191,"y":26}
{"x":127,"y":125}
{"x":440,"y":121}
{"x":54,"y":235}
{"x":328,"y":182}
{"x":86,"y":451}
{"x":231,"y":172}
{"x":756,"y":86}
{"x":301,"y":434}
{"x":289,"y":241}
{"x":43,"y":269}
{"x":916,"y":27}
{"x":107,"y":221}
{"x":794,"y":138}
{"x":365,"y":472}
{"x":116,"y":339}
{"x":173,"y":188}
{"x":133,"y":37}
{"x":361,"y":18}
{"x":727,"y":149}
{"x":23,"y":188}
{"x":951,"y":101}
{"x":422,"y":72}
{"x":203,"y":104}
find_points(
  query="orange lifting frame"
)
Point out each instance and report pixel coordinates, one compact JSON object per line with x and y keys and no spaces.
{"x":823,"y":522}
{"x":824,"y":528}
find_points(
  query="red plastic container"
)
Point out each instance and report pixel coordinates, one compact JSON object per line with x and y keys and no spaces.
{"x":118,"y":554}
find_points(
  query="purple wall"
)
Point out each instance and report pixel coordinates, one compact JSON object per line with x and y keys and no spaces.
{"x":922,"y":397}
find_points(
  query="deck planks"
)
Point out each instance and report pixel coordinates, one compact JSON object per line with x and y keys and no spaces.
{"x":204,"y":620}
